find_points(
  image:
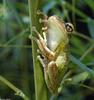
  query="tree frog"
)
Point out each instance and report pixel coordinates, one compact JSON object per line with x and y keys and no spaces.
{"x":54,"y":50}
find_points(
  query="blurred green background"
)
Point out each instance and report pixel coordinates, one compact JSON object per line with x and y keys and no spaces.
{"x":16,"y":52}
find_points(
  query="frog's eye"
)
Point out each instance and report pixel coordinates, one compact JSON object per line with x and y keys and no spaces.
{"x":69,"y":27}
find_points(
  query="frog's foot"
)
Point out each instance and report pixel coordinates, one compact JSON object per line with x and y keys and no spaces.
{"x":32,"y":37}
{"x":42,"y":20}
{"x":44,"y":28}
{"x":38,"y":34}
{"x":40,"y":55}
{"x":41,"y":13}
{"x":41,"y":59}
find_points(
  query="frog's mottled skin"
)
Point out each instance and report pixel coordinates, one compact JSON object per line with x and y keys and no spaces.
{"x":54,"y":50}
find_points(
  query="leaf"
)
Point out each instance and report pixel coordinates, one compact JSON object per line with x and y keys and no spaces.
{"x":90,"y":23}
{"x":48,"y":6}
{"x":79,"y":77}
{"x":77,"y":11}
{"x":90,"y":3}
{"x":81,"y":65}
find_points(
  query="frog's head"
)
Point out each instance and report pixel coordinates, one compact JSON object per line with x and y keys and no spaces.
{"x":55,"y":20}
{"x":58,"y":31}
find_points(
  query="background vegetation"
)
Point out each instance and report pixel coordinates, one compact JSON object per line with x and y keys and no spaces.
{"x":16,"y":50}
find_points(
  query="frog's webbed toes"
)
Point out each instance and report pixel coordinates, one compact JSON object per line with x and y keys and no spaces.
{"x":41,"y":13}
{"x":42,"y":20}
{"x":39,"y":57}
{"x":33,"y":38}
{"x":34,"y":29}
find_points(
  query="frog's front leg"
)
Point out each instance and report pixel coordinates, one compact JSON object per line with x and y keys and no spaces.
{"x":43,"y":46}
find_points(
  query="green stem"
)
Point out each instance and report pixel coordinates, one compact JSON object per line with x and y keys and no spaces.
{"x":14,"y":88}
{"x":40,"y":87}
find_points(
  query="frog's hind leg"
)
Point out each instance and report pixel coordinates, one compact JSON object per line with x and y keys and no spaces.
{"x":53,"y":76}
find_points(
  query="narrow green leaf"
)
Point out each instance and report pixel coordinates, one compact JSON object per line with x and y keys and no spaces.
{"x":90,"y":3}
{"x":79,"y":77}
{"x":49,"y":6}
{"x":90,"y":23}
{"x":81,"y":65}
{"x":77,"y":11}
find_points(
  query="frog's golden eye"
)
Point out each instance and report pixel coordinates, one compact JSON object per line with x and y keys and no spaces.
{"x":69,"y":27}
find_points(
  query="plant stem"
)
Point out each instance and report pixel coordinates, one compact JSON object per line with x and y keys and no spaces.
{"x":40,"y":87}
{"x":14,"y":88}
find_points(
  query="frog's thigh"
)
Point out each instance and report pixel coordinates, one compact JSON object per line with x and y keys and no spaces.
{"x":53,"y":77}
{"x":53,"y":73}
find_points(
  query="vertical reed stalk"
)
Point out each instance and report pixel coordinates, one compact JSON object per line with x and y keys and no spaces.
{"x":40,"y":87}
